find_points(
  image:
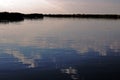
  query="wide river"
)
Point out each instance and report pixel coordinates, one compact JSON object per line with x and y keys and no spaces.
{"x":60,"y":49}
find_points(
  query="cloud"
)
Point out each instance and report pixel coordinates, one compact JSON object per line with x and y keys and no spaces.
{"x":61,"y":6}
{"x":89,"y":6}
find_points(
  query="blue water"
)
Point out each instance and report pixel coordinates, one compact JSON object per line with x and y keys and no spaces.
{"x":60,"y":49}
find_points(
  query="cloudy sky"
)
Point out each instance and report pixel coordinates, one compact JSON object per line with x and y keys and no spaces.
{"x":61,"y":6}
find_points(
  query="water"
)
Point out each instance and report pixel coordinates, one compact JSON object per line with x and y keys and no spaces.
{"x":60,"y":49}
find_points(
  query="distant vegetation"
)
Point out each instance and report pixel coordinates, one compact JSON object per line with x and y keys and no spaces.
{"x":33,"y":16}
{"x":105,"y":16}
{"x":5,"y":16}
{"x":11,"y":17}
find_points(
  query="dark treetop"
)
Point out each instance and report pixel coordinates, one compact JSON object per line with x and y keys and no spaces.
{"x":11,"y":17}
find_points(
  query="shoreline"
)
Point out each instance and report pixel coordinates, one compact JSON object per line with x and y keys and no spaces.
{"x":13,"y":16}
{"x":104,"y":16}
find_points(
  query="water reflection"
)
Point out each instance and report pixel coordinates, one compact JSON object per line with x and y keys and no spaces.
{"x":72,"y":72}
{"x":21,"y":58}
{"x":81,"y":46}
{"x":68,"y":48}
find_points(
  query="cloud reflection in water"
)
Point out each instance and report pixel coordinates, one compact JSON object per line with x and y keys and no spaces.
{"x":59,"y":37}
{"x":21,"y":58}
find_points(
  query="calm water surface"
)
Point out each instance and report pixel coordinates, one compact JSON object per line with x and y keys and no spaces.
{"x":60,"y":49}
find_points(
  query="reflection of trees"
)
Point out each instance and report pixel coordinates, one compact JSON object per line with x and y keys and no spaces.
{"x":29,"y":61}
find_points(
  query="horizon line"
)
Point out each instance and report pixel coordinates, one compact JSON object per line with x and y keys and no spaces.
{"x":60,"y":13}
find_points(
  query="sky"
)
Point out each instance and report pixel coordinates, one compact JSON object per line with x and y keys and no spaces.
{"x":61,"y":6}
